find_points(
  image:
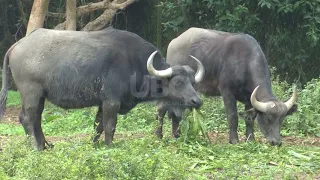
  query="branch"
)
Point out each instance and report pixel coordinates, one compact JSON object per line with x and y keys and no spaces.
{"x":113,"y":5}
{"x":92,"y":7}
{"x":121,"y":5}
{"x":101,"y":21}
{"x":82,"y":10}
{"x":105,"y":4}
{"x":56,"y":15}
{"x":22,"y":13}
{"x":61,"y":26}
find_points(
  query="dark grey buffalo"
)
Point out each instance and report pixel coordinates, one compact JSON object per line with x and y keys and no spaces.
{"x":237,"y":70}
{"x":111,"y":69}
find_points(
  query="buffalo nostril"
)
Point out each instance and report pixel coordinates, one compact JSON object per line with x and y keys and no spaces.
{"x":197,"y":102}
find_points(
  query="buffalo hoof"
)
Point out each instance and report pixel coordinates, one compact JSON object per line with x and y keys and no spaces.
{"x":96,"y":138}
{"x":159,"y":134}
{"x":176,"y":136}
{"x":276,"y":144}
{"x":108,"y":140}
{"x":48,"y":145}
{"x":233,"y":141}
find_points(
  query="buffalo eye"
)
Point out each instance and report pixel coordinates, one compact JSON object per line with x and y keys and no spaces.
{"x":179,"y":83}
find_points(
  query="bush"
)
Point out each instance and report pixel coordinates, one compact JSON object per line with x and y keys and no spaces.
{"x":306,"y":121}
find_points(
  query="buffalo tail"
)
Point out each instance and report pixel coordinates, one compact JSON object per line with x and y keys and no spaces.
{"x":5,"y":80}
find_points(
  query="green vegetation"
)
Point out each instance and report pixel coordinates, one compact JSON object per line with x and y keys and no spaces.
{"x":138,"y":154}
{"x":288,"y":31}
{"x":14,"y":99}
{"x":148,"y":158}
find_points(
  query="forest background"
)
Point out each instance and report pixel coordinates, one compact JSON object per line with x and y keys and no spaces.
{"x":288,"y":31}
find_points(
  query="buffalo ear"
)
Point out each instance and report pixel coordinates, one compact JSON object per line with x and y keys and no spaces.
{"x":293,"y":109}
{"x":189,"y":70}
{"x":248,"y":115}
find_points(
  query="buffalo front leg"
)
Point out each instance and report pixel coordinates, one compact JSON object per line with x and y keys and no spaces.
{"x":30,"y":118}
{"x":98,"y":125}
{"x":230,"y":106}
{"x":175,"y":125}
{"x":110,"y":112}
{"x":160,"y":116}
{"x":249,"y":121}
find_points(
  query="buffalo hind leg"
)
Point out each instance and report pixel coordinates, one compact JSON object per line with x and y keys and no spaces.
{"x":21,"y":116}
{"x":110,"y":112}
{"x":30,"y":117}
{"x":98,"y":125}
{"x":230,"y":105}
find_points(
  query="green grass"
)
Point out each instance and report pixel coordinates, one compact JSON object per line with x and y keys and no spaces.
{"x":149,"y":158}
{"x":11,"y":129}
{"x":75,"y":157}
{"x":13,"y":99}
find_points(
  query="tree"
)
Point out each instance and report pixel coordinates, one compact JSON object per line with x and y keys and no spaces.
{"x":110,"y":7}
{"x":71,"y":15}
{"x":38,"y":14}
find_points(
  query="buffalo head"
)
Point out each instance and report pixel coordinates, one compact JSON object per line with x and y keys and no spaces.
{"x":271,"y":114}
{"x":177,"y":82}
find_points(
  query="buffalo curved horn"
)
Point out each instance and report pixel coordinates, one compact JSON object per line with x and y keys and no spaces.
{"x":159,"y":73}
{"x":200,"y":71}
{"x":260,"y":106}
{"x":292,"y":100}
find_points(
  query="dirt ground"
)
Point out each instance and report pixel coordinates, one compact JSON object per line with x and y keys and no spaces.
{"x":12,"y":117}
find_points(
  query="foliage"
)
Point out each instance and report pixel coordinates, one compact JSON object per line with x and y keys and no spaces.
{"x":14,"y":98}
{"x":306,"y":121}
{"x":148,"y":158}
{"x":139,"y":159}
{"x":288,"y":31}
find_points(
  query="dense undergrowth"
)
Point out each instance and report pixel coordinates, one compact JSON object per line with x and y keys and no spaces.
{"x":146,"y":157}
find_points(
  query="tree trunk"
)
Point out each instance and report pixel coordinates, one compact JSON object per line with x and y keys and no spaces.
{"x":71,"y":15}
{"x":159,"y":25}
{"x":38,"y":13}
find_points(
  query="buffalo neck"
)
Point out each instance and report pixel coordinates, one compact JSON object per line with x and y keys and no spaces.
{"x":261,"y":76}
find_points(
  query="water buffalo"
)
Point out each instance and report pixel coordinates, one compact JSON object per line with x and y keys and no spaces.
{"x":110,"y":68}
{"x":236,"y":69}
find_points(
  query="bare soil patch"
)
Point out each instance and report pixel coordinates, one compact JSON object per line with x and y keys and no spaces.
{"x":220,"y":137}
{"x":11,"y":115}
